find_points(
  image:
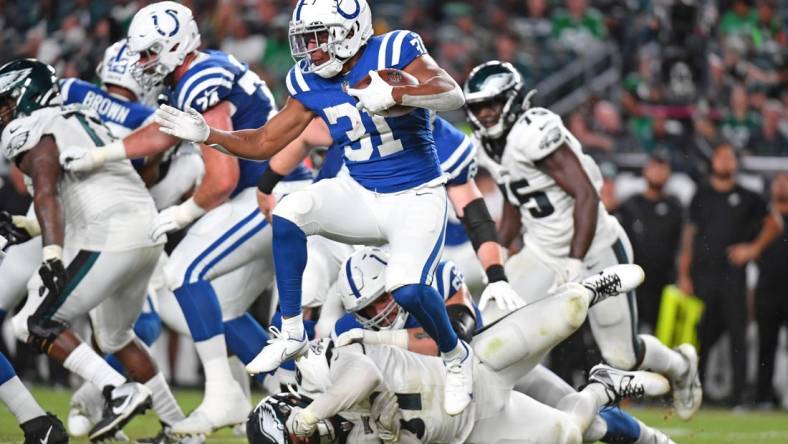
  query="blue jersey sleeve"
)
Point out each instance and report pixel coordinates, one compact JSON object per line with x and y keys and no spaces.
{"x":401,"y":48}
{"x":464,"y":169}
{"x":203,"y":88}
{"x":449,"y":279}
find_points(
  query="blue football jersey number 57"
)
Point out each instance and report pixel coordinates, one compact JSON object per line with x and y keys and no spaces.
{"x":359,"y":121}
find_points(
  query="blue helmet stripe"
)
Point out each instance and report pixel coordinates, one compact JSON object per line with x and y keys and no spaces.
{"x":350,"y":281}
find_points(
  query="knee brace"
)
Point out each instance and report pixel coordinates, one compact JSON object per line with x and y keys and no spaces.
{"x":462,"y":321}
{"x":42,"y":333}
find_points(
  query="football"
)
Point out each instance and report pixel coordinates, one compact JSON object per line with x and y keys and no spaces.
{"x":393,"y":77}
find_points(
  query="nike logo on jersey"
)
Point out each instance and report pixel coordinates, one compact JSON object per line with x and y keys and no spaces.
{"x":13,"y":130}
{"x":118,"y":409}
{"x":45,"y":439}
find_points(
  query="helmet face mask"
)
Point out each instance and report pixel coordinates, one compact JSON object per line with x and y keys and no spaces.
{"x":26,"y":85}
{"x":494,"y":87}
{"x":337,"y":29}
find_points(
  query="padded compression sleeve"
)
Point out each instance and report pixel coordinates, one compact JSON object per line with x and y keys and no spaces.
{"x":478,"y":223}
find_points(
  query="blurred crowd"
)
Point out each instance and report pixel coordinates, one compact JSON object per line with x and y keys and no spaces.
{"x":699,"y":79}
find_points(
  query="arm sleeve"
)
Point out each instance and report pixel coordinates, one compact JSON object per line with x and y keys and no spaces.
{"x":353,"y":375}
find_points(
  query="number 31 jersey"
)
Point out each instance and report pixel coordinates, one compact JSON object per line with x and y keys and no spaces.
{"x":383,"y":154}
{"x":547,"y":211}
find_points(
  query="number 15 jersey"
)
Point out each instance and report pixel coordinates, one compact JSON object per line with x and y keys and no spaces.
{"x":546,"y":210}
{"x":383,"y":154}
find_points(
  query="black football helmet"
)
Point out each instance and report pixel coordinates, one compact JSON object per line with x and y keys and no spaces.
{"x":25,"y":86}
{"x":491,"y":82}
{"x":267,"y":424}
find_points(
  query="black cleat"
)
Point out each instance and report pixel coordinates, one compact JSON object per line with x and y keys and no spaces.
{"x":123,"y":403}
{"x":46,"y":429}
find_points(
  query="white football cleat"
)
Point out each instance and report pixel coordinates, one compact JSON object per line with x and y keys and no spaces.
{"x":613,"y":281}
{"x":123,"y":403}
{"x":279,"y":349}
{"x":687,"y":391}
{"x":84,"y":409}
{"x":620,"y":384}
{"x":224,"y":405}
{"x":458,"y":391}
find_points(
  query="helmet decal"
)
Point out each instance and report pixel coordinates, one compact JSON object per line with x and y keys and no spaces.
{"x":349,"y":16}
{"x":172,"y":13}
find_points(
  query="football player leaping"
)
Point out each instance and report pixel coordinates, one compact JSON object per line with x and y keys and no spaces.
{"x":568,"y":234}
{"x":394,"y":191}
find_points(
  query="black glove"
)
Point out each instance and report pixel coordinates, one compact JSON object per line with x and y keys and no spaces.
{"x":13,"y":233}
{"x":53,"y":274}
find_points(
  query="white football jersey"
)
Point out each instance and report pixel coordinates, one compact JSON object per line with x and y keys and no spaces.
{"x":105,"y":210}
{"x":545,"y":208}
{"x":418,"y":382}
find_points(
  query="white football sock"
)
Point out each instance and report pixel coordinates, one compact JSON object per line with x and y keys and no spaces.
{"x":661,"y":359}
{"x":19,"y":400}
{"x":596,"y":431}
{"x":458,"y":352}
{"x":583,"y":406}
{"x":91,"y":367}
{"x":164,"y":404}
{"x":293,"y":327}
{"x":213,"y":355}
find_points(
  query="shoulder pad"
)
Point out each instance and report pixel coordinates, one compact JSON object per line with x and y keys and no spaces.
{"x":537,"y":133}
{"x":22,"y":134}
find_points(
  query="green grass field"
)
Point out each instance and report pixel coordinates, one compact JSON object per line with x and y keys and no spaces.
{"x":709,"y":427}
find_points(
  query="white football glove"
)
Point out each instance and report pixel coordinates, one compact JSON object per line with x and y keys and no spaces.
{"x":189,"y":125}
{"x":386,"y":413}
{"x":394,"y":338}
{"x":376,"y":97}
{"x":175,"y":218}
{"x":573,"y":270}
{"x":301,"y":422}
{"x":504,"y":296}
{"x":79,"y":159}
{"x":352,"y":336}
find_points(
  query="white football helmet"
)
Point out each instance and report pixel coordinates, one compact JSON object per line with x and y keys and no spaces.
{"x":362,"y":280}
{"x":161,"y":35}
{"x":115,"y":68}
{"x":344,"y":25}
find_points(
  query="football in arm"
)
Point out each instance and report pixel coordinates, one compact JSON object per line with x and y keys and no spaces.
{"x":393,"y":77}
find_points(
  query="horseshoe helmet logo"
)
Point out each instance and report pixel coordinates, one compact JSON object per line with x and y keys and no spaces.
{"x":172,"y":13}
{"x":351,"y":15}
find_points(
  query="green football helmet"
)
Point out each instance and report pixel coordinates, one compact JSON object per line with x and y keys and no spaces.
{"x":490,"y":83}
{"x":25,"y":86}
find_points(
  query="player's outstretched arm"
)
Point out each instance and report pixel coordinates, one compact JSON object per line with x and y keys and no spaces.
{"x":257,"y":144}
{"x":565,"y":168}
{"x":147,"y":141}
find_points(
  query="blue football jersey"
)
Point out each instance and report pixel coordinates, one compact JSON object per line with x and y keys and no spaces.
{"x":215,"y":77}
{"x":129,"y":115}
{"x":448,"y":281}
{"x":457,"y":155}
{"x":384,"y":154}
{"x":121,"y":116}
